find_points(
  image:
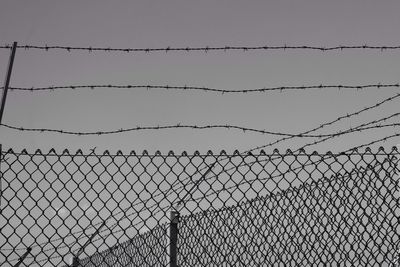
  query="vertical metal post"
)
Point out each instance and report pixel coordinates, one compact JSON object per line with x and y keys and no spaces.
{"x":28,"y":250}
{"x":173,"y":239}
{"x":7,"y":81}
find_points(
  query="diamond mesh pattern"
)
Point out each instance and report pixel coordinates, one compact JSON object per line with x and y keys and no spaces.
{"x":291,"y":209}
{"x":344,"y":221}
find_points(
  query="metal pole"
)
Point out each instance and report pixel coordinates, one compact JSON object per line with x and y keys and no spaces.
{"x":7,"y":81}
{"x":173,"y":237}
{"x":28,"y":250}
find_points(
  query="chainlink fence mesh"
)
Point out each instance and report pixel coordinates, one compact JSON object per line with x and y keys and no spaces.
{"x":280,"y":209}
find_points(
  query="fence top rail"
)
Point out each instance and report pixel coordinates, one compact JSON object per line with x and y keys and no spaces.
{"x":52,"y":152}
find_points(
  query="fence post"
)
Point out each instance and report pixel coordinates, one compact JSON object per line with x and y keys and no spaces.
{"x":7,"y":80}
{"x":173,"y":238}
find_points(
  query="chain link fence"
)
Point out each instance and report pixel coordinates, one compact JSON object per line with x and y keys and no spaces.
{"x":280,"y":209}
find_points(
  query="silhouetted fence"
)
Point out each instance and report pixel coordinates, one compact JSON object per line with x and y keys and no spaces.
{"x":292,"y":209}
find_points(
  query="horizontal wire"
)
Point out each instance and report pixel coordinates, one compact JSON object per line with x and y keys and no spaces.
{"x":144,"y":128}
{"x":205,"y":48}
{"x":179,"y":126}
{"x":206,"y":89}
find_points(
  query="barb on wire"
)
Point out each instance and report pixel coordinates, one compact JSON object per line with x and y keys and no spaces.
{"x":207,"y":48}
{"x":207,"y":89}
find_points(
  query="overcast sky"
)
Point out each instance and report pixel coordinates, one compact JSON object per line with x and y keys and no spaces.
{"x":181,"y":23}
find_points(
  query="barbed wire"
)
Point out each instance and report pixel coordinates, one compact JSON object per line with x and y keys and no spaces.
{"x":206,"y":89}
{"x":144,"y":128}
{"x":207,"y":48}
{"x":179,"y":126}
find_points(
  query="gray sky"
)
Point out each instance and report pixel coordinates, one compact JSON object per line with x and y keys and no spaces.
{"x":150,"y":23}
{"x":181,"y":23}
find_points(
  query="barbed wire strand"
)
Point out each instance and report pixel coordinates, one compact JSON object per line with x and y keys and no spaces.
{"x":178,"y":126}
{"x":347,"y":116}
{"x":163,"y":127}
{"x":207,"y":89}
{"x":207,"y":48}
